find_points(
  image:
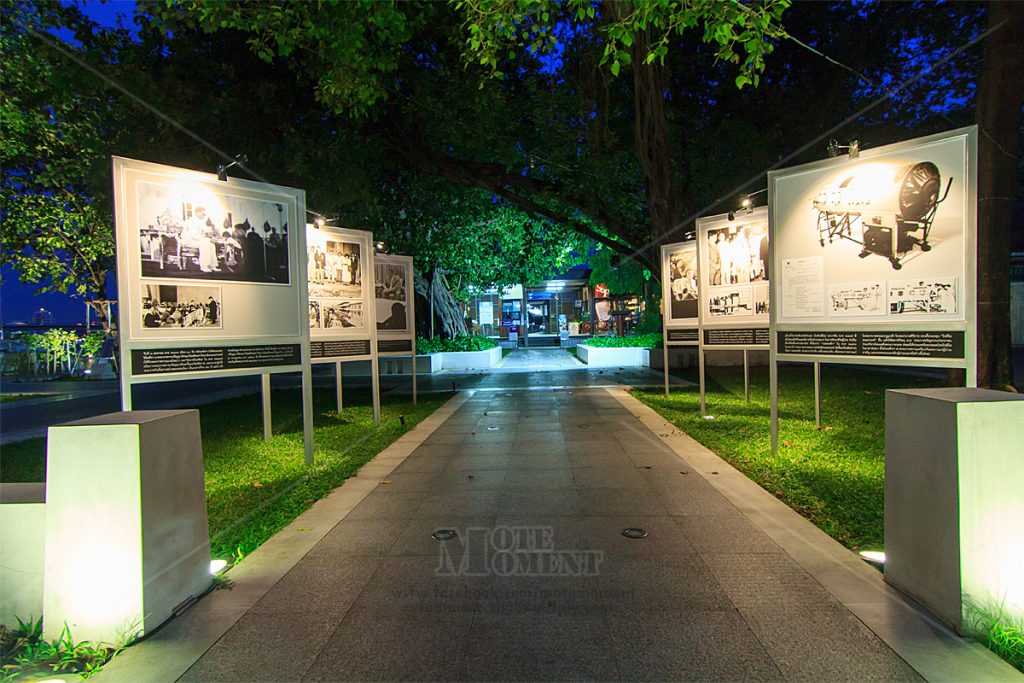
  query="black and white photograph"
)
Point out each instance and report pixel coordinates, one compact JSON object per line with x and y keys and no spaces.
{"x":859,"y":298}
{"x":934,"y":296}
{"x":195,"y":233}
{"x":902,"y":199}
{"x":181,"y":307}
{"x":341,"y":314}
{"x":899,"y":216}
{"x":314,"y":315}
{"x":334,"y":269}
{"x":391,"y":297}
{"x":737,"y":254}
{"x":683,"y":283}
{"x":761,"y":299}
{"x":737,"y":302}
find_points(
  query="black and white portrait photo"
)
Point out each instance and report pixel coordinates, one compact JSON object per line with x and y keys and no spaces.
{"x":683,"y":283}
{"x":334,"y":269}
{"x":341,"y":314}
{"x":178,"y":306}
{"x":738,"y":254}
{"x":314,"y":315}
{"x":198,"y":234}
{"x":390,"y":295}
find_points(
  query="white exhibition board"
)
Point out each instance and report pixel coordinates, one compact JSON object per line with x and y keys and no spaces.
{"x":341,"y":307}
{"x":394,"y":299}
{"x":395,"y":295}
{"x":874,"y":257}
{"x":208,"y":277}
{"x":734,"y":284}
{"x":679,"y":296}
{"x":679,"y":290}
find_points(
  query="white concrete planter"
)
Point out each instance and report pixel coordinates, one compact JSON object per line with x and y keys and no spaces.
{"x":22,"y":547}
{"x":470,"y":360}
{"x":428,"y":363}
{"x":600,"y":357}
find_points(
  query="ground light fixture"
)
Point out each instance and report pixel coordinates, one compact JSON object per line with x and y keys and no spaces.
{"x":873,"y":556}
{"x":217,"y":566}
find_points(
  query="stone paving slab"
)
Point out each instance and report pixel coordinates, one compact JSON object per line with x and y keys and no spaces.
{"x":728,"y":584}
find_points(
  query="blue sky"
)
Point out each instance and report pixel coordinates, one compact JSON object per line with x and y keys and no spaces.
{"x":18,"y":301}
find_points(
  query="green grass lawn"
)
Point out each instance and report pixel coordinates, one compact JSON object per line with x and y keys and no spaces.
{"x":255,"y":488}
{"x":833,"y":476}
{"x":11,"y":398}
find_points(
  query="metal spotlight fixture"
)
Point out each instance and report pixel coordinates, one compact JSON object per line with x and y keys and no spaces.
{"x":852,"y":149}
{"x":222,"y":170}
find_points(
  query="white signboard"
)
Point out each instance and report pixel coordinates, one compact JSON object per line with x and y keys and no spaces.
{"x":394,"y":297}
{"x":341,"y":303}
{"x":875,"y":256}
{"x":486,"y":315}
{"x":734,"y":268}
{"x":679,"y":292}
{"x":208,"y":274}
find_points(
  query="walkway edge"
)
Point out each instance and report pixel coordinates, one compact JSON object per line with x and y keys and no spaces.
{"x":176,"y":646}
{"x":927,"y":646}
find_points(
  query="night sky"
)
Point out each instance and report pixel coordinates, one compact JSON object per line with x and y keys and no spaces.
{"x":18,"y":301}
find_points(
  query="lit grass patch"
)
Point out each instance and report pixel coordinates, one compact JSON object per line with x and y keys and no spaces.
{"x":255,"y":488}
{"x":1003,"y":634}
{"x":11,"y":398}
{"x":834,"y":476}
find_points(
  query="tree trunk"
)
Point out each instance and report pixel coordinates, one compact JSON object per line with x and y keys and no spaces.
{"x":1000,"y":96}
{"x":442,"y":304}
{"x":651,"y":138}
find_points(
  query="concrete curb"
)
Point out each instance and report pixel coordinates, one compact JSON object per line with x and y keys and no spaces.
{"x":177,"y":645}
{"x":927,"y":646}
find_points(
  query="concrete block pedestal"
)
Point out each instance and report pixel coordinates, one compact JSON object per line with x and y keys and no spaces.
{"x":127,"y":540}
{"x":22,"y":530}
{"x":954,"y":499}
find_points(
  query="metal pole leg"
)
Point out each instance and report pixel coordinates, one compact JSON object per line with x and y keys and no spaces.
{"x":265,"y":390}
{"x":817,"y":394}
{"x":746,"y":376}
{"x":337,"y":384}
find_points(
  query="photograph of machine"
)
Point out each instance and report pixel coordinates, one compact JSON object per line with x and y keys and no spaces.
{"x":933,"y":296}
{"x":886,"y":209}
{"x":864,"y":298}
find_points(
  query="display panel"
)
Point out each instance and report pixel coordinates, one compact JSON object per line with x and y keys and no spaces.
{"x":680,"y":284}
{"x":882,"y":247}
{"x":877,"y":239}
{"x":734,"y":285}
{"x":394,"y":293}
{"x":341,"y":307}
{"x":208,"y":267}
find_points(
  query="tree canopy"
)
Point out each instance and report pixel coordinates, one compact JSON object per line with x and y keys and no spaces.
{"x":488,"y":139}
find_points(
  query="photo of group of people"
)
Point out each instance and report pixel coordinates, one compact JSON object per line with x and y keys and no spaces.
{"x":334,"y":269}
{"x":738,"y":254}
{"x":735,"y":256}
{"x":211,"y":237}
{"x":341,"y":314}
{"x":391,"y":296}
{"x":683,"y":283}
{"x":177,"y":307}
{"x":335,"y":282}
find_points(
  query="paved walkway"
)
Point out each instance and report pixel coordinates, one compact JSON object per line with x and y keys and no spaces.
{"x":540,"y":584}
{"x":540,"y":359}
